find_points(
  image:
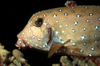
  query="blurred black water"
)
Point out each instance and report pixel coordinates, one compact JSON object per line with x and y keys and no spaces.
{"x":14,"y":15}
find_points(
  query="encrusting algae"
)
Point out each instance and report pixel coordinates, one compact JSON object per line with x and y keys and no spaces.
{"x":7,"y":60}
{"x":66,"y":62}
{"x":75,"y":61}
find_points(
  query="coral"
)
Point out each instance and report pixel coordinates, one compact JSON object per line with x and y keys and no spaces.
{"x":3,"y":53}
{"x":15,"y":60}
{"x":55,"y":64}
{"x":66,"y":62}
{"x":99,"y":61}
{"x":70,"y":3}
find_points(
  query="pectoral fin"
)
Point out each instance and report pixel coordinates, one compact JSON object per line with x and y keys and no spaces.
{"x":55,"y":47}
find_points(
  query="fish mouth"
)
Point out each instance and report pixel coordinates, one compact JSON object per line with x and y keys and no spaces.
{"x":21,"y":43}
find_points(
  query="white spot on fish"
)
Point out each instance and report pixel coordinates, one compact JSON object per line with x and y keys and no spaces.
{"x":72,"y":51}
{"x":78,"y":15}
{"x":95,"y":35}
{"x":60,"y":38}
{"x":81,"y":50}
{"x":73,"y":7}
{"x":43,"y":45}
{"x":37,"y":28}
{"x":65,"y":14}
{"x":62,"y":42}
{"x":86,"y":7}
{"x":99,"y":19}
{"x":57,"y":21}
{"x":57,"y":32}
{"x":19,"y":39}
{"x":66,"y":25}
{"x":26,"y":39}
{"x":74,"y":44}
{"x":60,"y":10}
{"x":94,"y":10}
{"x":91,"y":14}
{"x":29,"y":31}
{"x":55,"y":15}
{"x":96,"y":27}
{"x":60,"y":25}
{"x":24,"y":36}
{"x":73,"y":30}
{"x":84,"y":29}
{"x":48,"y":19}
{"x":44,"y":15}
{"x":33,"y":37}
{"x":73,"y":11}
{"x":83,"y":11}
{"x":87,"y":20}
{"x":22,"y":32}
{"x":89,"y":54}
{"x":65,"y":19}
{"x":39,"y":39}
{"x":96,"y":41}
{"x":36,"y":44}
{"x":37,"y":16}
{"x":75,"y":23}
{"x":71,"y":41}
{"x":63,"y":31}
{"x":49,"y":12}
{"x":83,"y":37}
{"x":92,"y":48}
{"x":84,"y":44}
{"x":30,"y":40}
{"x":44,"y":23}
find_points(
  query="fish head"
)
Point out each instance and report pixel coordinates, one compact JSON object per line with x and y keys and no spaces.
{"x":36,"y":34}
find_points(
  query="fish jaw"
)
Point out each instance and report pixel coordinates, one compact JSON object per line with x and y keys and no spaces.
{"x":26,"y":39}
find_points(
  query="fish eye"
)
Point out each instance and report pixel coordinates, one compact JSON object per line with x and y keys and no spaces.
{"x":39,"y":22}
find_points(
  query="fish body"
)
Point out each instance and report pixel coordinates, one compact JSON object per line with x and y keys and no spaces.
{"x":53,"y":27}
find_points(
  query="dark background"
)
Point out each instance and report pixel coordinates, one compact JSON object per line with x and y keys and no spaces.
{"x":15,"y":14}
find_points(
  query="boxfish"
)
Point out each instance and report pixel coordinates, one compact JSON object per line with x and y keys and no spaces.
{"x":71,"y":30}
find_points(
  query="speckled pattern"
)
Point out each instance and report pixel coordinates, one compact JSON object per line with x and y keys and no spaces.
{"x":81,"y":24}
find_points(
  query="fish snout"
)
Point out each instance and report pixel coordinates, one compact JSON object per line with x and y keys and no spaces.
{"x":21,"y":44}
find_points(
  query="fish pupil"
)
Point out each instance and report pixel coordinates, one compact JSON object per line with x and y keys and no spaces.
{"x":39,"y":22}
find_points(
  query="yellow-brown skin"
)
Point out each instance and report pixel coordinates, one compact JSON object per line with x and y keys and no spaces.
{"x":80,"y":24}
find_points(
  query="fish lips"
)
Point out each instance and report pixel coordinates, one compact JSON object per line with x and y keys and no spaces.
{"x":21,"y":44}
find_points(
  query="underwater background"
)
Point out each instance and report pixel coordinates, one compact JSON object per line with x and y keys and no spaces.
{"x":14,"y":15}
